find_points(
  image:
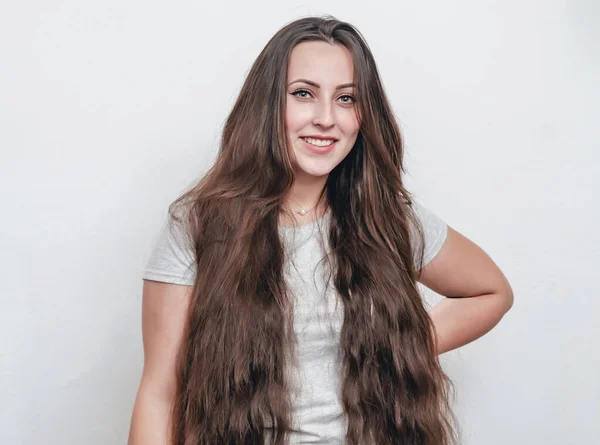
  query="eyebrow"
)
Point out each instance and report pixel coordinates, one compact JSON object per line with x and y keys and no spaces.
{"x":316,"y":85}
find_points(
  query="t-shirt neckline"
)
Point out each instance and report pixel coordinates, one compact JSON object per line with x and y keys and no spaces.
{"x":307,"y":225}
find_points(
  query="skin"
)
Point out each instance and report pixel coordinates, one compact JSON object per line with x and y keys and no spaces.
{"x":316,"y":106}
{"x":479,"y":294}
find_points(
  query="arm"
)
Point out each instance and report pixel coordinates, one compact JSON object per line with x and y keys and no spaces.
{"x":164,"y":312}
{"x":462,"y":269}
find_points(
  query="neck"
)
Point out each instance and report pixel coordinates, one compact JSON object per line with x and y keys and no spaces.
{"x":304,"y":195}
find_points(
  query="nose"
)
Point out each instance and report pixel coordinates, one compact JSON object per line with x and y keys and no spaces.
{"x":324,"y":116}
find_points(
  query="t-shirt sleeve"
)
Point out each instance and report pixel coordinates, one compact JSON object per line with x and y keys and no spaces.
{"x":435,"y":231}
{"x":172,"y":259}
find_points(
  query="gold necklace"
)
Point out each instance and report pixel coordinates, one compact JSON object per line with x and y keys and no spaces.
{"x":303,"y":212}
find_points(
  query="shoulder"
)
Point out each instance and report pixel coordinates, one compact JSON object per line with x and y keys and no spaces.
{"x":172,"y":258}
{"x":427,"y":231}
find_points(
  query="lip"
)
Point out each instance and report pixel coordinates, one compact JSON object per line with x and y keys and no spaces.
{"x":318,"y":150}
{"x":322,"y":138}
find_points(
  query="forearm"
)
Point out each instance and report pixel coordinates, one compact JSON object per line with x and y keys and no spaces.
{"x":150,"y":420}
{"x":458,"y":321}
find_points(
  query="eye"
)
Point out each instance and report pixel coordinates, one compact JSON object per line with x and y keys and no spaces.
{"x":348,"y":99}
{"x":301,"y":93}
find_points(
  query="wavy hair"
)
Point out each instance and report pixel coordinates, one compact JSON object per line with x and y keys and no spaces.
{"x":231,"y":380}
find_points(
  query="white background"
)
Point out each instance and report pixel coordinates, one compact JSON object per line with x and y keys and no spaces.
{"x":110,"y":109}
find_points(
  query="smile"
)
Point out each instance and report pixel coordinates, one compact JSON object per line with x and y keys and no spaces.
{"x":319,"y":142}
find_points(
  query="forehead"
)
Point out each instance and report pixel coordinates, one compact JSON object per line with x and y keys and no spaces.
{"x":324,"y":63}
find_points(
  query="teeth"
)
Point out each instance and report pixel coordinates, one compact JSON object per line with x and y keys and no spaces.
{"x":319,"y":142}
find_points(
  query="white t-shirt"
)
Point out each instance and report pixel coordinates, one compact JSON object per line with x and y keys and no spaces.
{"x":318,"y":316}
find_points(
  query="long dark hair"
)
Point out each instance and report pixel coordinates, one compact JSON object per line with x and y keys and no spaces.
{"x":239,"y":335}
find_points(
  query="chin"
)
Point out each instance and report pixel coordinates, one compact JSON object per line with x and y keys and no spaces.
{"x":313,"y":170}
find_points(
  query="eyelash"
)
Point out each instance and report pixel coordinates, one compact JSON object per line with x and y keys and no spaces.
{"x":295,"y":93}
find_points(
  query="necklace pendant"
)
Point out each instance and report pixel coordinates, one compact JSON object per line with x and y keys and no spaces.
{"x":302,"y":212}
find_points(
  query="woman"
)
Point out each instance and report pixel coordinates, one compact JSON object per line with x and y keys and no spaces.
{"x":281,"y":303}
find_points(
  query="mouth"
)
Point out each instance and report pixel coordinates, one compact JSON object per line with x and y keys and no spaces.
{"x":319,"y":142}
{"x":318,"y":146}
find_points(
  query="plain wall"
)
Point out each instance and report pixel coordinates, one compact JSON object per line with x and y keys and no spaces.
{"x":109,"y":110}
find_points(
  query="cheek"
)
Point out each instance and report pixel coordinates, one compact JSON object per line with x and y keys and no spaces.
{"x":349,"y":124}
{"x":295,"y":117}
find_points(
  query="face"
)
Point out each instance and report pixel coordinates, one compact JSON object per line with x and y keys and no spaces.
{"x":320,"y":115}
